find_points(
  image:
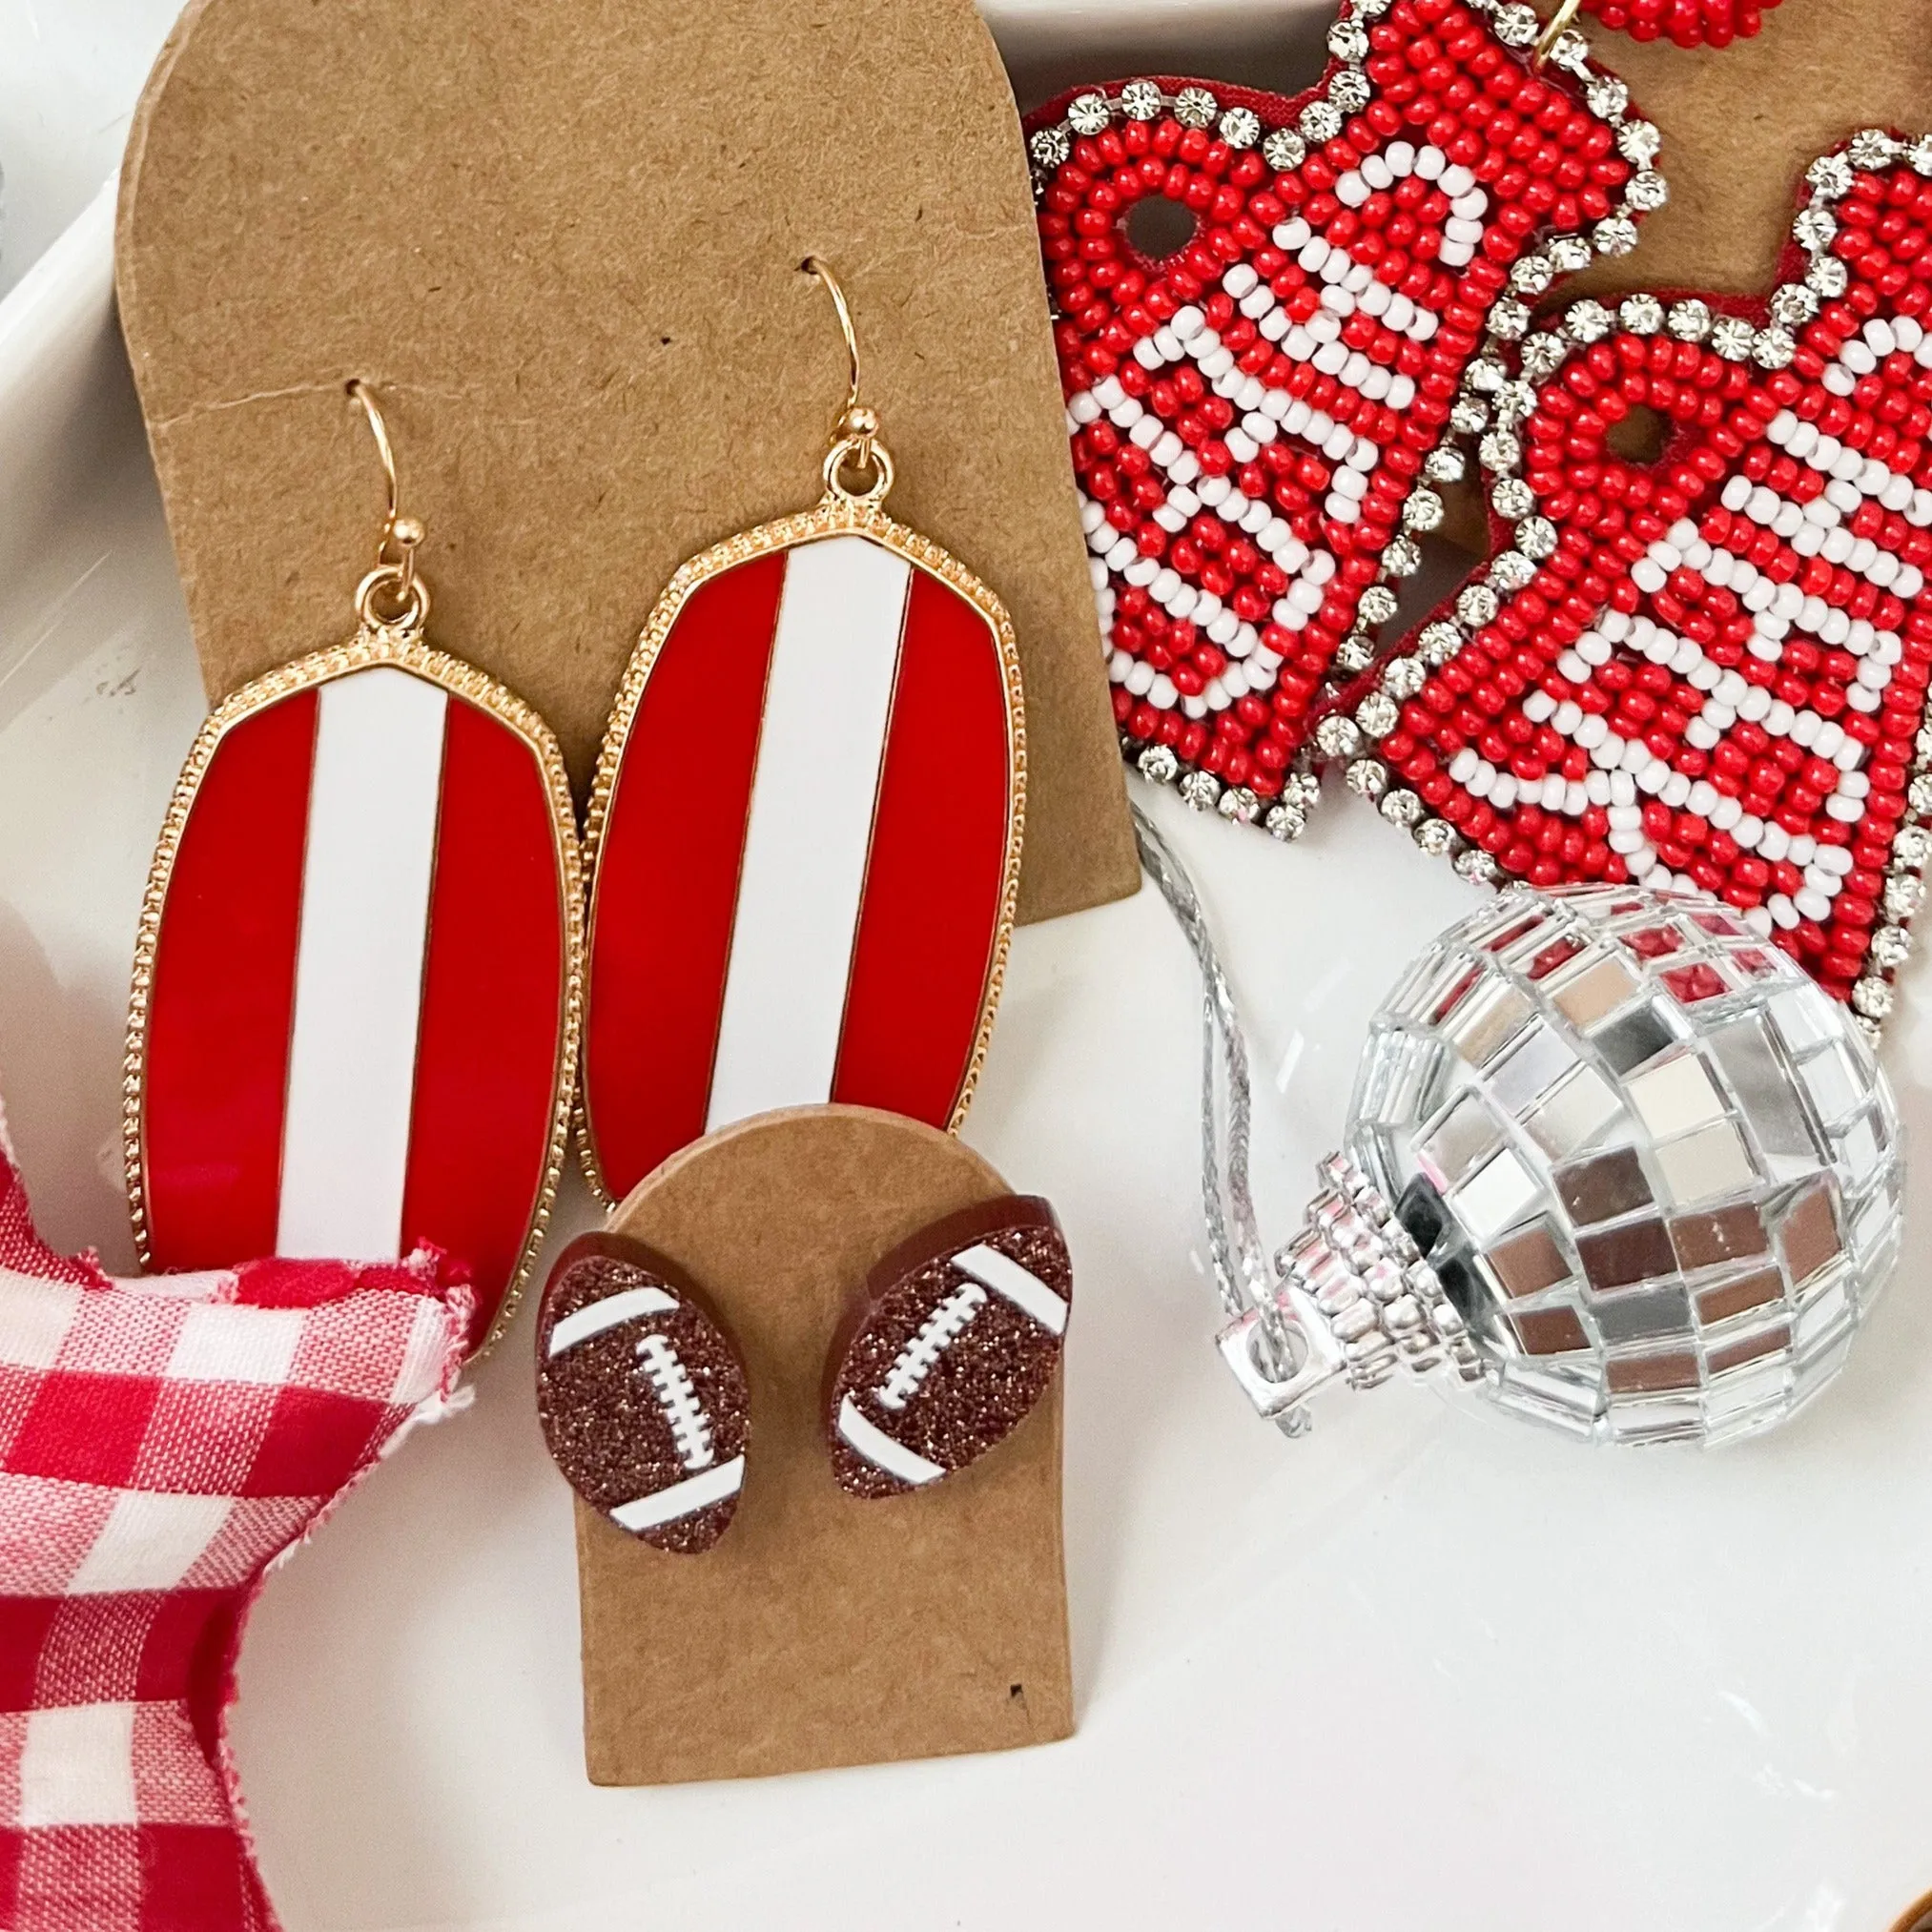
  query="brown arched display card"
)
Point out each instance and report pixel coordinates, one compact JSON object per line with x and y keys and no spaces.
{"x":563,"y":244}
{"x":822,"y":1629}
{"x":1741,"y":124}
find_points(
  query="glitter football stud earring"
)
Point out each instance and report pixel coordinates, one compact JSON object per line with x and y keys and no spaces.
{"x":355,"y":994}
{"x":804,"y":833}
{"x":642,"y":1395}
{"x":949,"y":1348}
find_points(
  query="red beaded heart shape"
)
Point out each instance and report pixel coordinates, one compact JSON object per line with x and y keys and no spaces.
{"x":1259,"y":417}
{"x":1710,"y":667}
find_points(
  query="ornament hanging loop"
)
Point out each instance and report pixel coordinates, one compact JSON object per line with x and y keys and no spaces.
{"x":1560,"y":24}
{"x":1350,"y":1299}
{"x":859,"y":467}
{"x":392,"y":596}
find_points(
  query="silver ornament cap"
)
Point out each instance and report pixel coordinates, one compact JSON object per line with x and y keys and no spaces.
{"x":1613,"y":1157}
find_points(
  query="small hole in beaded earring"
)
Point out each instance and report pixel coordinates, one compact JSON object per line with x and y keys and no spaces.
{"x":1157,"y":228}
{"x":1640,"y":435}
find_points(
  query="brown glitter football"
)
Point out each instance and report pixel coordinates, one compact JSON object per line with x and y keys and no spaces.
{"x":955,"y":1340}
{"x":640,"y":1393}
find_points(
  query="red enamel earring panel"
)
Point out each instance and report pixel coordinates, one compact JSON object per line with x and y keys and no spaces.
{"x":804,"y":840}
{"x":355,"y":1004}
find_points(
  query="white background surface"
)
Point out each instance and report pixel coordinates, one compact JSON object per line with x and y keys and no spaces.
{"x":1428,"y":1668}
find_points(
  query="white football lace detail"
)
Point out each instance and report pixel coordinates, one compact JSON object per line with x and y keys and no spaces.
{"x":690,"y":1426}
{"x":632,"y":1304}
{"x":941,"y":1328}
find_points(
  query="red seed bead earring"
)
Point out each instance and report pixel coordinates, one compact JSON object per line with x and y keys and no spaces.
{"x":1265,"y":308}
{"x":1689,"y":22}
{"x":1705,"y":669}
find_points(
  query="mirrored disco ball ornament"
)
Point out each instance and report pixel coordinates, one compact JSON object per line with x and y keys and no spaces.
{"x":1611,"y":1156}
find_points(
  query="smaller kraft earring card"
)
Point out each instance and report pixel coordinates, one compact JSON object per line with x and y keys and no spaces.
{"x":875,"y":1596}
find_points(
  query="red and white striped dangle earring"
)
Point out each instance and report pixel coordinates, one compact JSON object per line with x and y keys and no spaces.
{"x":805,"y":828}
{"x":358,"y":984}
{"x":1266,"y":307}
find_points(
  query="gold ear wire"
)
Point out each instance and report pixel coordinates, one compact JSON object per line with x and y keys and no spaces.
{"x":1559,"y":26}
{"x":361,"y":392}
{"x":822,"y":270}
{"x":855,"y":444}
{"x":395,"y":570}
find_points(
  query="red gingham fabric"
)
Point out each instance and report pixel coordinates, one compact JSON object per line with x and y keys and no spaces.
{"x":160,"y":1443}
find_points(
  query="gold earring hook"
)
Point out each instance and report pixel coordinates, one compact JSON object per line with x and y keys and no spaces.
{"x":855,"y":444}
{"x":1559,"y":26}
{"x":814,"y":266}
{"x":395,"y":571}
{"x":362,"y":394}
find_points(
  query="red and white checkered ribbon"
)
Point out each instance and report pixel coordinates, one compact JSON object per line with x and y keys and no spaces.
{"x":161,"y":1442}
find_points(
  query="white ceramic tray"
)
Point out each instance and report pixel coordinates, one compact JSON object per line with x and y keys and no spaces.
{"x":1426,"y":1669}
